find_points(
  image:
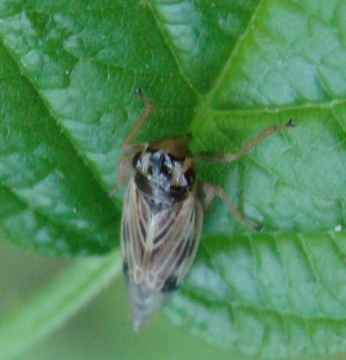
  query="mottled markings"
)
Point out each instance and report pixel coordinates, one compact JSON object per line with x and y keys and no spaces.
{"x":184,"y":253}
{"x":125,"y":268}
{"x":153,"y":254}
{"x":142,"y":229}
{"x":163,"y":233}
{"x":170,"y":284}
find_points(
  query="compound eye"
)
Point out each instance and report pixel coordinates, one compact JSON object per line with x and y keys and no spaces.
{"x":136,"y":159}
{"x":165,"y":166}
{"x":190,"y":176}
{"x":165,"y":170}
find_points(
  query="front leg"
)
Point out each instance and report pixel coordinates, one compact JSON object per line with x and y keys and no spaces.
{"x":230,"y":157}
{"x":149,"y":107}
{"x":125,"y":171}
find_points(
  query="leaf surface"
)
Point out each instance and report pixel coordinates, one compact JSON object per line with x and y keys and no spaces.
{"x":223,"y":71}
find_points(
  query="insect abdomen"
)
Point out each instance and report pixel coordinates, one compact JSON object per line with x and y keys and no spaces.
{"x":144,"y":303}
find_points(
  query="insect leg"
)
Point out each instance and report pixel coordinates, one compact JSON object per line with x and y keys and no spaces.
{"x":149,"y":107}
{"x":230,"y":157}
{"x":124,"y":174}
{"x":210,"y":191}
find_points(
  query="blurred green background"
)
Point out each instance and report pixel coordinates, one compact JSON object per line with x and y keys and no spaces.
{"x":101,"y":330}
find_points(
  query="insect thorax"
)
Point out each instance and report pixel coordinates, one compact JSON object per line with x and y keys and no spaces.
{"x":162,"y":177}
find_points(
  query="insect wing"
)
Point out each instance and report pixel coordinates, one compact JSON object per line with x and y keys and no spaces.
{"x":158,"y":248}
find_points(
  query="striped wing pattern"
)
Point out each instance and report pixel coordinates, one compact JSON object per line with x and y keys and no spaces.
{"x":159,"y":248}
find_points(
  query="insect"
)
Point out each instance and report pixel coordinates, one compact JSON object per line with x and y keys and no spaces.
{"x":163,"y":213}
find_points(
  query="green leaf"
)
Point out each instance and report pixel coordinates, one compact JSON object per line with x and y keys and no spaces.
{"x":224,"y":71}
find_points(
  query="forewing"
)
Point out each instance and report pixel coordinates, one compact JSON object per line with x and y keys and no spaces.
{"x":159,"y":247}
{"x":135,"y":219}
